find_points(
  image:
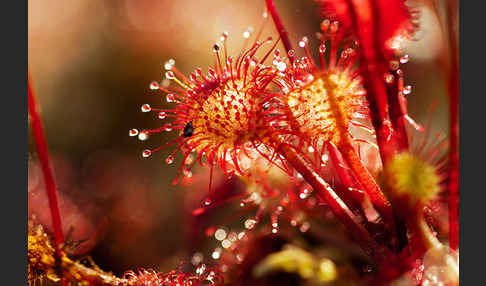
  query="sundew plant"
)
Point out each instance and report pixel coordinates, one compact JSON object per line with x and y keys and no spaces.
{"x":314,"y":171}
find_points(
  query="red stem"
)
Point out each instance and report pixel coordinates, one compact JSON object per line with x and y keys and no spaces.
{"x":367,"y":181}
{"x":384,"y":134}
{"x":43,"y":154}
{"x":453,"y":185}
{"x":380,"y":202}
{"x":343,"y":172}
{"x":338,"y":207}
{"x":373,"y":71}
{"x":280,"y":27}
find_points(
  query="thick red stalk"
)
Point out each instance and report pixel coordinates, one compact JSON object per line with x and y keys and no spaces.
{"x":43,"y":154}
{"x":454,"y":130}
{"x":373,"y":68}
{"x":280,"y":27}
{"x":367,"y":181}
{"x":421,"y":237}
{"x":338,"y":207}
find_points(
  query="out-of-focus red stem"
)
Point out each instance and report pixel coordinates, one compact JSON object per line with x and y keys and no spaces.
{"x":454,"y":128}
{"x":338,"y":207}
{"x":43,"y":154}
{"x":280,"y":27}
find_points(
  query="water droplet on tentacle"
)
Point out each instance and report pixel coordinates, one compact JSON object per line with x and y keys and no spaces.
{"x":404,"y":59}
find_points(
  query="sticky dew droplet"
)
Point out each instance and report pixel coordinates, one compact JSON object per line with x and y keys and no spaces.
{"x":325,"y":158}
{"x":250,"y":223}
{"x":154,"y":85}
{"x":167,"y":127}
{"x":169,"y":160}
{"x":404,"y":59}
{"x":200,"y":269}
{"x":388,"y":78}
{"x":146,"y":153}
{"x":407,"y":90}
{"x":187,"y":173}
{"x":143,"y":135}
{"x":170,"y":97}
{"x":146,"y":108}
{"x":322,"y":48}
{"x":133,"y":132}
{"x":281,"y":66}
{"x":169,"y":75}
{"x":169,"y":64}
{"x":224,"y":36}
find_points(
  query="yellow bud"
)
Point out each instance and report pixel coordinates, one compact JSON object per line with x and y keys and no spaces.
{"x":327,"y":271}
{"x":409,"y":176}
{"x":296,"y":260}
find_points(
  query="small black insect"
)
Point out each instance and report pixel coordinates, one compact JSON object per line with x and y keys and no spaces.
{"x":188,"y":129}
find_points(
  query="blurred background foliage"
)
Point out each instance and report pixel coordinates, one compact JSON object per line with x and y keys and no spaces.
{"x":91,"y":64}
